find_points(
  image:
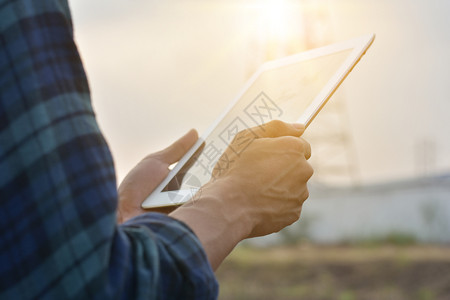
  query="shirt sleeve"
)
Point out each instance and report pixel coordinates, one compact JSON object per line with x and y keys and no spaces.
{"x":58,"y":198}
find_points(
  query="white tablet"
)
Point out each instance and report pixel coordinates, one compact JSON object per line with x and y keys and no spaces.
{"x":292,"y":89}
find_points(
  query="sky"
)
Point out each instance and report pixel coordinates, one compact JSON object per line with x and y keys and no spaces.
{"x":158,"y":68}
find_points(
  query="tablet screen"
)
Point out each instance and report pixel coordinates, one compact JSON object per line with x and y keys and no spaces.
{"x":281,"y":93}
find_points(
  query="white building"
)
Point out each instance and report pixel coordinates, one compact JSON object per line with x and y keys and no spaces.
{"x":416,"y":208}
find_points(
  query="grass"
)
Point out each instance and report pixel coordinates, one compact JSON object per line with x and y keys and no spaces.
{"x":343,"y":273}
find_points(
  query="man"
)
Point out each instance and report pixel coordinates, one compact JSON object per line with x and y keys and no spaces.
{"x":59,"y":207}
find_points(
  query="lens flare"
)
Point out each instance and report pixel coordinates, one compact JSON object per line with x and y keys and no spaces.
{"x":275,"y":16}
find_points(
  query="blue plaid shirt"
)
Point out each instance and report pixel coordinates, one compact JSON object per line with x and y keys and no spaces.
{"x":58,"y":234}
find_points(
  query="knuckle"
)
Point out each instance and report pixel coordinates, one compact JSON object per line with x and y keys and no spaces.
{"x":306,"y":146}
{"x":294,"y":143}
{"x":305,"y":143}
{"x":290,"y":218}
{"x":294,"y":215}
{"x":309,"y":170}
{"x":274,"y":126}
{"x":270,"y":128}
{"x":305,"y":194}
{"x":275,"y":123}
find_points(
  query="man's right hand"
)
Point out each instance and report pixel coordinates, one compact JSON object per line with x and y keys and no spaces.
{"x":259,"y":191}
{"x":267,"y":180}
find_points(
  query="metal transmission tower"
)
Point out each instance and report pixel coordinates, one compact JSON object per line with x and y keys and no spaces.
{"x":307,"y":25}
{"x":425,"y":152}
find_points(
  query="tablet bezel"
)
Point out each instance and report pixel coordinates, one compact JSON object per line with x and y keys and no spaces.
{"x":359,"y":45}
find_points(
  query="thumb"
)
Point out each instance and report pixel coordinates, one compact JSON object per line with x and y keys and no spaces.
{"x":175,"y":152}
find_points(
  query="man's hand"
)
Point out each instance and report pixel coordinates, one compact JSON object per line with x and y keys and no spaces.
{"x":148,"y":174}
{"x":260,"y":191}
{"x":269,"y":176}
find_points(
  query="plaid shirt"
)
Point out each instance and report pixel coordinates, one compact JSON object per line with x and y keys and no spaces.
{"x":58,"y":199}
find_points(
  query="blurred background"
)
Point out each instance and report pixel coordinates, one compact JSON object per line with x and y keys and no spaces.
{"x":377,"y":224}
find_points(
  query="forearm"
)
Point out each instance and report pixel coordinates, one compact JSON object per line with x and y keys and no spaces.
{"x":162,"y":254}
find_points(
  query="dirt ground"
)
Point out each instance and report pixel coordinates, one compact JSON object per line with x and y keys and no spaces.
{"x":337,"y":272}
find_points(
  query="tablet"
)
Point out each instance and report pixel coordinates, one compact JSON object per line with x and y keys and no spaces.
{"x":292,"y":89}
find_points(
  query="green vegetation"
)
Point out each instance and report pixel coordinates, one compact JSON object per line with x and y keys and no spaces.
{"x":311,"y":272}
{"x":394,"y":238}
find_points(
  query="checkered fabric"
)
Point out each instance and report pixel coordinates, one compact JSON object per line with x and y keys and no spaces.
{"x":58,"y":199}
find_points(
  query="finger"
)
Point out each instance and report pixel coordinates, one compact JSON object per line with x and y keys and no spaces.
{"x":307,"y":148}
{"x":277,"y":128}
{"x":298,"y":145}
{"x":175,"y":152}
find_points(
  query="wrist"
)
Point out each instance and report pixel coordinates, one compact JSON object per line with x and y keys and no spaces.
{"x":215,"y":218}
{"x":226,"y":203}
